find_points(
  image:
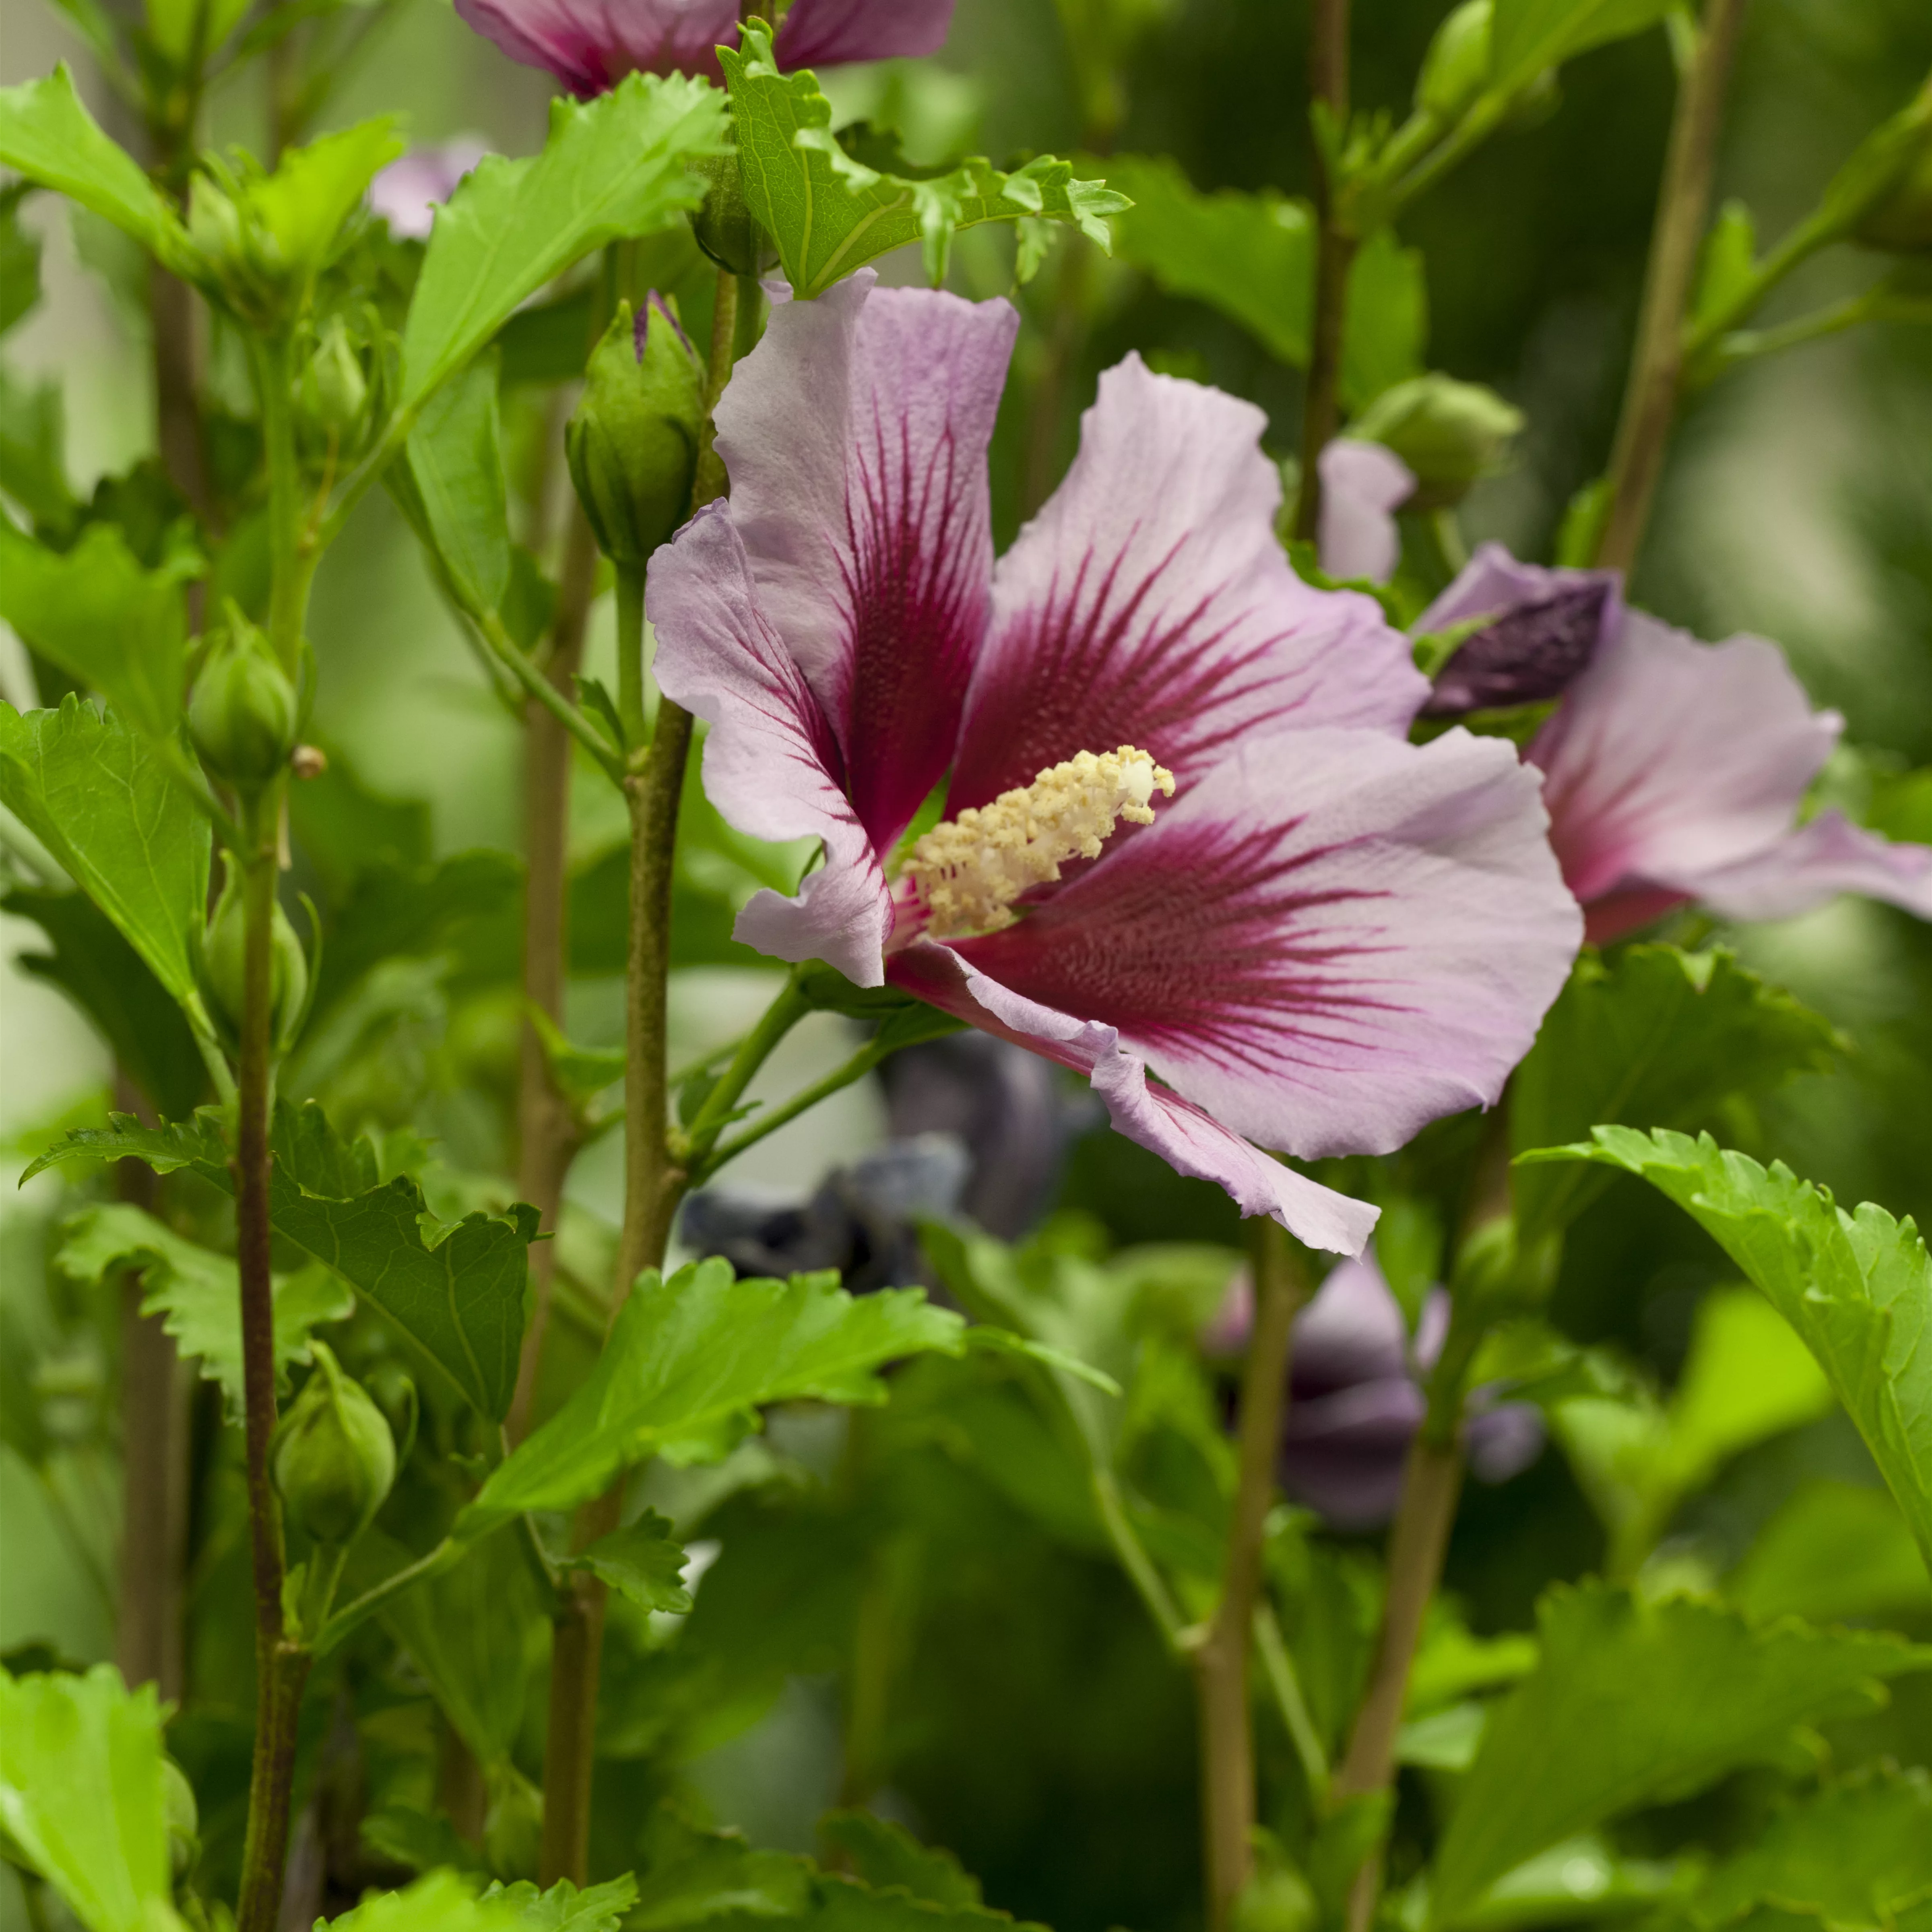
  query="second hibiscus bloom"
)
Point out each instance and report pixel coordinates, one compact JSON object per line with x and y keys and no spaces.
{"x":1183,"y":830}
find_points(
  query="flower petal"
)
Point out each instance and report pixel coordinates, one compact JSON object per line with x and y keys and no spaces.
{"x":1670,"y":758}
{"x":856,"y":437}
{"x":1149,"y":603}
{"x":826,"y":33}
{"x":1493,"y":581}
{"x":1161,"y":1121}
{"x":408,"y":192}
{"x":590,"y":45}
{"x":770,"y":764}
{"x":1827,"y":855}
{"x":1331,"y":939}
{"x":1362,"y":486}
{"x":1352,"y":1331}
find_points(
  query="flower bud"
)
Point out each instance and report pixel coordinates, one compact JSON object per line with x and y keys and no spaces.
{"x":182,"y":1816}
{"x":242,"y":717}
{"x":222,"y":968}
{"x":332,"y":394}
{"x":1448,"y":433}
{"x":633,"y":441}
{"x":334,"y":1458}
{"x":724,"y":227}
{"x":1457,"y":63}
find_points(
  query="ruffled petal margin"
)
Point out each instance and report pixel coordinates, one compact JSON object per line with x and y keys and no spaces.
{"x":1824,"y":857}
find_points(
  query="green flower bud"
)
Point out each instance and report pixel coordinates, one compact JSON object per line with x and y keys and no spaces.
{"x":334,"y":1459}
{"x":633,"y":441}
{"x":1457,"y":63}
{"x":222,"y":960}
{"x":1900,"y":220}
{"x":333,"y":393}
{"x":243,"y":714}
{"x":183,"y":1817}
{"x":724,"y":227}
{"x":1449,"y":433}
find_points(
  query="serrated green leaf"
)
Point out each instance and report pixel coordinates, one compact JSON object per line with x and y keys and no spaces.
{"x":440,"y":1902}
{"x":612,"y":167}
{"x":1385,"y":320}
{"x":314,"y":190}
{"x":644,"y":1560}
{"x":1249,"y":256}
{"x":1635,"y":1701}
{"x":887,"y":1856}
{"x":48,"y":135}
{"x":97,"y":797}
{"x":689,"y":1362}
{"x":830,"y":213}
{"x":456,"y":1291}
{"x":690,"y":1875}
{"x":1853,"y":1853}
{"x":120,"y":629}
{"x":198,"y":1292}
{"x":81,"y":1795}
{"x":598,"y":1908}
{"x":456,"y":461}
{"x":1651,"y":1037}
{"x":1857,"y":1288}
{"x":1530,"y":35}
{"x":1834,"y":1553}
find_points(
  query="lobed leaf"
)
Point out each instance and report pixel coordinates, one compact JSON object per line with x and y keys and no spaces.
{"x":611,"y":168}
{"x":644,"y":1560}
{"x":1857,"y":1288}
{"x":887,"y":1855}
{"x":1633,"y":1702}
{"x":830,"y":213}
{"x":689,"y":1362}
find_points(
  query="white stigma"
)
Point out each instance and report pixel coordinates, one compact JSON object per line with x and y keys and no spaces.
{"x":969,"y":871}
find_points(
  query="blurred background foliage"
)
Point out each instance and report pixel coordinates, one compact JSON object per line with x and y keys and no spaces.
{"x":1034,"y":1725}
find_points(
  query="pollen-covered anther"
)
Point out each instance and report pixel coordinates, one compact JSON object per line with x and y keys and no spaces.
{"x":969,"y":871}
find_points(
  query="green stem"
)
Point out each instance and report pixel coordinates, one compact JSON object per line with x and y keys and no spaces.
{"x":785,"y":1012}
{"x":292,"y":549}
{"x":630,"y":651}
{"x":535,"y":685}
{"x":1656,"y":377}
{"x":1131,"y":1556}
{"x":1221,"y":1663}
{"x":861,"y":1064}
{"x":347,"y":1619}
{"x":1747,"y":345}
{"x":1285,"y":1681}
{"x":1334,"y":251}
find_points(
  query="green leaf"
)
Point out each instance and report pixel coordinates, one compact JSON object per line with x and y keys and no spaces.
{"x":1385,"y":323}
{"x":580,"y":1073}
{"x":33,"y":467}
{"x":1853,"y":1853}
{"x":48,"y":135}
{"x":1635,"y":1701}
{"x":1836,"y":1552}
{"x":1650,"y":1037}
{"x":690,"y":1875}
{"x":1857,"y":1288}
{"x":81,"y":1795}
{"x":97,"y":797}
{"x":1579,"y":1878}
{"x":644,"y":1560}
{"x":456,"y":459}
{"x":440,"y":1902}
{"x":1724,"y":269}
{"x":612,"y":167}
{"x":305,"y":204}
{"x":689,"y":1362}
{"x":109,"y":981}
{"x":1530,"y":35}
{"x":598,"y":1908}
{"x":122,"y":631}
{"x":830,"y":213}
{"x":887,"y":1855}
{"x":198,"y":1292}
{"x":20,"y":260}
{"x":1250,"y":256}
{"x":456,"y":1292}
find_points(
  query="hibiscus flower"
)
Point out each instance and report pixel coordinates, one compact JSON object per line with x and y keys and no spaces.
{"x":1673,"y":770}
{"x":1183,"y":828}
{"x":590,"y":45}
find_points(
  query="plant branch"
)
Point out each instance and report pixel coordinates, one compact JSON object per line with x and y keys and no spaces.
{"x":1656,"y":377}
{"x":1221,"y":1663}
{"x":1285,"y":1682}
{"x":1334,"y":251}
{"x":861,"y":1064}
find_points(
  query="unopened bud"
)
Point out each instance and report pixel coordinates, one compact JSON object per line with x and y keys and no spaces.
{"x":632,"y":443}
{"x":222,"y":964}
{"x":242,"y":715}
{"x":1457,"y":63}
{"x":1449,"y":433}
{"x":333,"y":393}
{"x":724,"y":227}
{"x":308,"y":761}
{"x":334,"y":1458}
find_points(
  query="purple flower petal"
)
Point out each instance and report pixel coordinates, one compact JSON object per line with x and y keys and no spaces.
{"x":855,"y":437}
{"x":770,"y":764}
{"x":1149,"y":603}
{"x":829,"y":33}
{"x":1493,"y":581}
{"x":1503,"y":1442}
{"x":1363,"y":485}
{"x":1821,"y":858}
{"x":1670,"y":760}
{"x":1159,"y":1120}
{"x":407,"y":193}
{"x":1330,"y":939}
{"x":1352,"y":1331}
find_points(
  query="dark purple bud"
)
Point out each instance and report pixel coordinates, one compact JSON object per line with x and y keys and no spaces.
{"x":1502,"y":1442}
{"x":1528,"y":655}
{"x":656,"y":309}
